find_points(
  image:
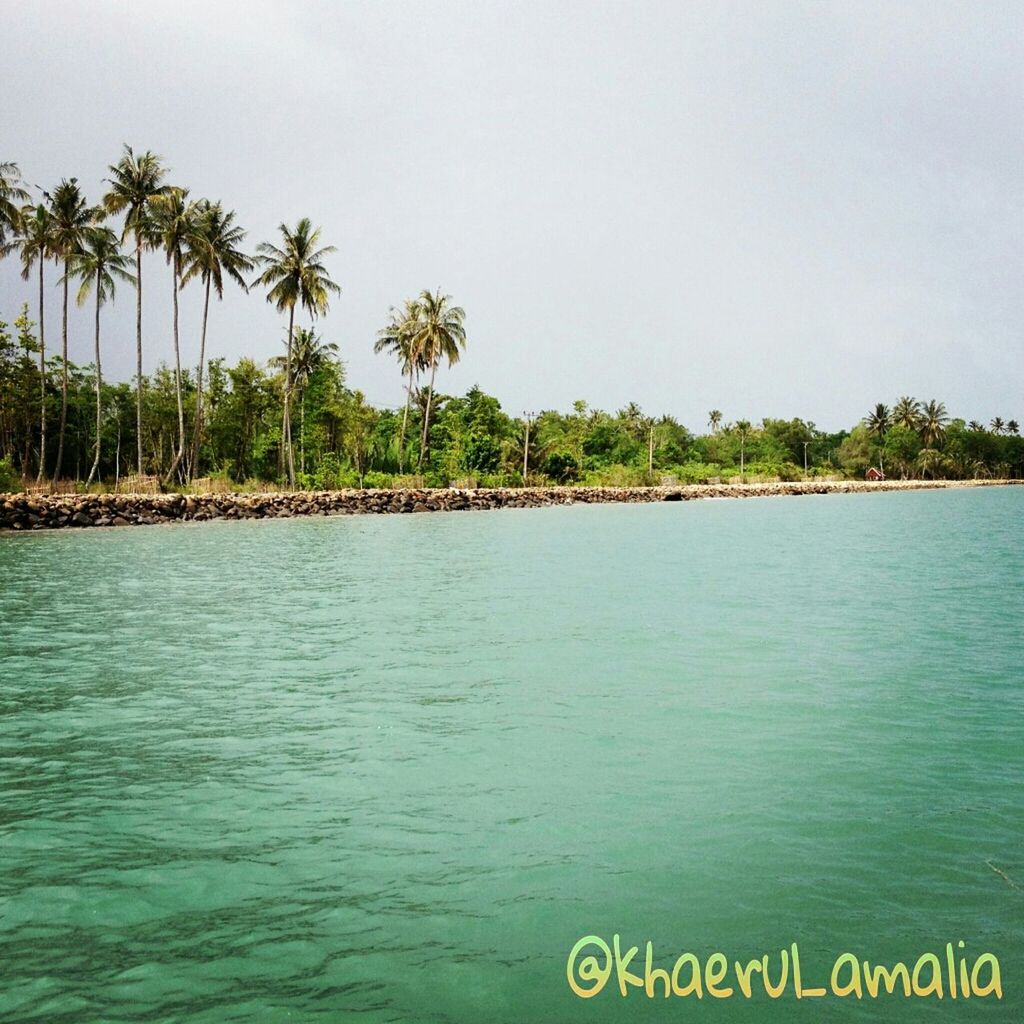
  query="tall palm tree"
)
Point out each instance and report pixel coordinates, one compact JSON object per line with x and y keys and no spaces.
{"x":98,"y":263}
{"x":397,"y":337}
{"x":294,"y":274}
{"x":72,"y":217}
{"x":1013,"y":427}
{"x":135,"y":181}
{"x":975,"y":426}
{"x":309,"y":354}
{"x":714,"y":420}
{"x":878,"y":421}
{"x":12,"y":196}
{"x":211,"y":252}
{"x":997,"y":425}
{"x":907,"y":413}
{"x":933,"y":423}
{"x":36,"y":246}
{"x":440,"y":334}
{"x":173,"y":223}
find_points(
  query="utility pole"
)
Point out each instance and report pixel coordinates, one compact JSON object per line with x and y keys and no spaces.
{"x":526,"y":445}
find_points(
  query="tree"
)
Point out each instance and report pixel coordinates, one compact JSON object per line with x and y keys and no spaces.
{"x":12,"y":195}
{"x":907,"y":413}
{"x":975,"y":426}
{"x":714,"y":420}
{"x":173,"y":223}
{"x":36,"y":246}
{"x":295,"y":274}
{"x":440,"y":334}
{"x":743,"y":427}
{"x":997,"y":425}
{"x":309,"y":354}
{"x":933,"y":422}
{"x":98,"y":263}
{"x":397,"y":337}
{"x":135,"y":182}
{"x":211,"y":252}
{"x":1013,"y":427}
{"x":72,"y":217}
{"x":878,"y":422}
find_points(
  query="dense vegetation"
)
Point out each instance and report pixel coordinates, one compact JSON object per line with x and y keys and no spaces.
{"x":296,"y":421}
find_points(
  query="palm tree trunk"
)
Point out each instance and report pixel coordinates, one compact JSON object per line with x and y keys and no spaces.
{"x":286,"y":421}
{"x":302,"y":432}
{"x":138,"y":349}
{"x":426,"y":418}
{"x":63,"y":380}
{"x":42,"y":381}
{"x":99,"y":381}
{"x":405,"y":420}
{"x":178,"y":455}
{"x":199,"y":382}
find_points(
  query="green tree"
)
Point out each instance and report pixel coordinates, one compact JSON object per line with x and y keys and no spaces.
{"x":98,"y":263}
{"x":907,"y":413}
{"x":72,"y":217}
{"x":294,"y":274}
{"x":12,"y":196}
{"x":933,"y":423}
{"x":878,"y":422}
{"x":211,"y":253}
{"x":398,"y":337}
{"x":440,"y":334}
{"x":134,"y":183}
{"x":36,"y":246}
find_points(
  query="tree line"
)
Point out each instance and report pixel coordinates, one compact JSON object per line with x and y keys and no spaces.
{"x":235,"y":425}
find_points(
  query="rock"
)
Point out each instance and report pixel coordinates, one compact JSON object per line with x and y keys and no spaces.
{"x":81,"y":519}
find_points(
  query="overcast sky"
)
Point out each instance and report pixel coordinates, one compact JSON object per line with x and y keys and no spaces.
{"x":774,"y":209}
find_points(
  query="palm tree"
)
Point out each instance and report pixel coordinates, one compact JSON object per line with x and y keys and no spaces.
{"x":933,"y":423}
{"x":441,"y":332}
{"x":743,"y":426}
{"x":878,"y":422}
{"x":907,"y":413}
{"x":211,"y":252}
{"x":98,"y":263}
{"x":714,"y":420}
{"x":997,"y":425}
{"x":12,"y":195}
{"x":72,"y":217}
{"x":309,"y":354}
{"x":173,"y":221}
{"x":975,"y":426}
{"x":135,"y":182}
{"x":1013,"y":427}
{"x":295,"y":275}
{"x":36,"y":246}
{"x":397,"y":337}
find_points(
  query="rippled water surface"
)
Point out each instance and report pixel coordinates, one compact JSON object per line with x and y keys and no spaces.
{"x":392,"y":768}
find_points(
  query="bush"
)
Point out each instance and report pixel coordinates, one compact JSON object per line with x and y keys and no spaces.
{"x":9,"y":479}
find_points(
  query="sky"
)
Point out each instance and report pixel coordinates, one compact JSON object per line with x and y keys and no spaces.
{"x":772,"y":209}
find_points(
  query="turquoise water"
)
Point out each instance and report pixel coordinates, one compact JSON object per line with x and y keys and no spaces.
{"x":392,"y":768}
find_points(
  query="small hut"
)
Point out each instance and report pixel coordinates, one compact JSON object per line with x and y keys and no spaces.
{"x":874,"y":474}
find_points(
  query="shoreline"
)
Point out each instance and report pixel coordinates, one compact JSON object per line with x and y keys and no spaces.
{"x":27,"y":511}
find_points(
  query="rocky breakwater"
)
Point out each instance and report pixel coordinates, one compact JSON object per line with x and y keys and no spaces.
{"x":54,"y":511}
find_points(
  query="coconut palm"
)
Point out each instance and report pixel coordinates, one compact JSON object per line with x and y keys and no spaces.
{"x":36,"y":245}
{"x":72,"y":217}
{"x":933,"y":423}
{"x":878,"y":422}
{"x":173,"y":220}
{"x":931,"y":462}
{"x":309,"y":354}
{"x":12,"y":196}
{"x":135,"y":181}
{"x":440,"y":334}
{"x":397,"y":337}
{"x":295,"y":274}
{"x":975,"y":426}
{"x":98,"y":263}
{"x":211,"y":252}
{"x":907,"y":413}
{"x":997,"y":426}
{"x":1013,"y":427}
{"x":714,"y":420}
